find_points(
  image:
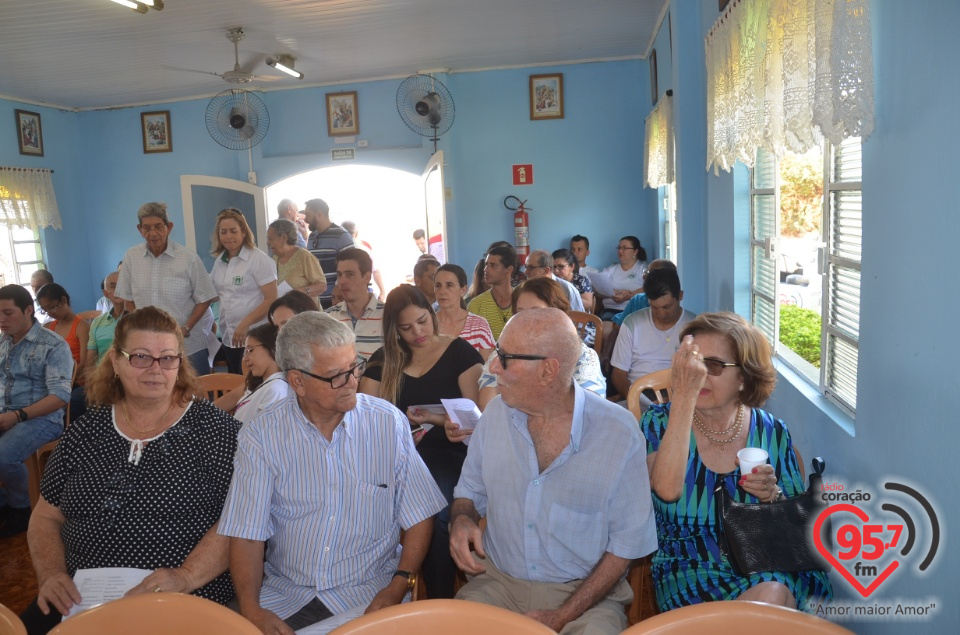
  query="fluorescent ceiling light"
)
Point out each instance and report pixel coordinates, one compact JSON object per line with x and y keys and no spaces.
{"x":136,"y":6}
{"x":140,"y":6}
{"x":284,"y":63}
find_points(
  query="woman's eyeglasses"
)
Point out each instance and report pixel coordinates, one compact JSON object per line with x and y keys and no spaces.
{"x":139,"y":360}
{"x":504,"y":357}
{"x":715,"y":366}
{"x":249,"y":349}
{"x":340,"y":379}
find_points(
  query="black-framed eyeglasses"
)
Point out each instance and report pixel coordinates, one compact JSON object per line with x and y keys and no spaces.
{"x":504,"y":357}
{"x":716,"y":366}
{"x":139,"y":360}
{"x":340,"y":379}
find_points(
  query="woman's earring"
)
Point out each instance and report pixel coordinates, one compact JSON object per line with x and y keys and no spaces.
{"x":741,"y":387}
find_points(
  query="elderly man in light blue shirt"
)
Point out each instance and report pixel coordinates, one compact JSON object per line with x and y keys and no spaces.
{"x":36,"y":370}
{"x":561,"y":476}
{"x":328,"y":479}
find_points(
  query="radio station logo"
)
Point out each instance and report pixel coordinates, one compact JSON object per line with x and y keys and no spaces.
{"x":869,"y":537}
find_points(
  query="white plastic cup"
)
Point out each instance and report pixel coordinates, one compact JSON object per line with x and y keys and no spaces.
{"x":751,"y":458}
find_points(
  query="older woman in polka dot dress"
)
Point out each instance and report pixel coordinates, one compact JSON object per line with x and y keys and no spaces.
{"x":139,"y":481}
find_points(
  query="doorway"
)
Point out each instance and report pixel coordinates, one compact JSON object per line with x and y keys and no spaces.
{"x":387,"y":206}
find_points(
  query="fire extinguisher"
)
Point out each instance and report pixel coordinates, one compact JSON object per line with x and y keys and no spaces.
{"x":521,"y":226}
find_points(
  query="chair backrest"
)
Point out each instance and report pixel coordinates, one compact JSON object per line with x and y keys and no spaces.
{"x":443,"y":616}
{"x":658,"y":382}
{"x":581,"y":320}
{"x":158,"y":614}
{"x":88,"y":316}
{"x":735,"y":618}
{"x":215,"y":384}
{"x":10,"y":624}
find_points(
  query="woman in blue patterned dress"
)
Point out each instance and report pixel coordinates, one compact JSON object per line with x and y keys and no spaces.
{"x":722,"y":373}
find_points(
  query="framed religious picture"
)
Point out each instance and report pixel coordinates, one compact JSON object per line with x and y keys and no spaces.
{"x":29,"y":134}
{"x":342,"y":117}
{"x":157,"y":136}
{"x":546,"y":96}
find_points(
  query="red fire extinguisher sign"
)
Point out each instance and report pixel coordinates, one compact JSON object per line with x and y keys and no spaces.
{"x":523,"y":174}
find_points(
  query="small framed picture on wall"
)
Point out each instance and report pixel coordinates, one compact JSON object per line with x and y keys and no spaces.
{"x":546,"y":96}
{"x":342,"y":117}
{"x":29,"y":134}
{"x":157,"y":136}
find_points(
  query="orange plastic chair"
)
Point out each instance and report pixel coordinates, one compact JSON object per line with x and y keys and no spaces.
{"x":644,"y":604}
{"x":658,"y":382}
{"x":735,"y":618}
{"x":10,"y":624}
{"x":215,"y":384}
{"x":581,"y":319}
{"x":158,"y":614}
{"x":443,"y":616}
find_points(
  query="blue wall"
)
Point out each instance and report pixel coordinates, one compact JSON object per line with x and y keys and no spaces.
{"x":906,"y":419}
{"x":588,"y":167}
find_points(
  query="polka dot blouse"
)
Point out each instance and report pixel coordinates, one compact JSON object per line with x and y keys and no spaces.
{"x":146,"y":514}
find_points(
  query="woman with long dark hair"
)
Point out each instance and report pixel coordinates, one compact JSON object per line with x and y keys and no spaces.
{"x":418,"y":367}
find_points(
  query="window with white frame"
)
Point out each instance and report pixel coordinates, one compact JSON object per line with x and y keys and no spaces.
{"x":806,"y":233}
{"x":21,"y":251}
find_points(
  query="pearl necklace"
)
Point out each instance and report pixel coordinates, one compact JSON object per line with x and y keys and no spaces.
{"x":738,"y":424}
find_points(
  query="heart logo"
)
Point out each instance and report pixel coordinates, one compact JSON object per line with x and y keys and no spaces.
{"x":862,"y":515}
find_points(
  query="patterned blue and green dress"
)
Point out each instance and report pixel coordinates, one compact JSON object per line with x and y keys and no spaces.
{"x":689,"y":567}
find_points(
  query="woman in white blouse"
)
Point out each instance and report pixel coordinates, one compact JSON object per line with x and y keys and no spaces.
{"x":626,"y":276}
{"x":245,"y":279}
{"x":265,"y":383}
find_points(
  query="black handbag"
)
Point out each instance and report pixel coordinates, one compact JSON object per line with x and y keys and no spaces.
{"x":774,"y":536}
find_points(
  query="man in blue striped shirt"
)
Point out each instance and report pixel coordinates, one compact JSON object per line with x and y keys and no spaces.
{"x":326,"y":240}
{"x":561,"y":475}
{"x":328,"y":478}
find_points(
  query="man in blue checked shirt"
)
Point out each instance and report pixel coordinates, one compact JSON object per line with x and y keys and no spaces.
{"x":560,"y":473}
{"x":328,"y":478}
{"x":36,"y":369}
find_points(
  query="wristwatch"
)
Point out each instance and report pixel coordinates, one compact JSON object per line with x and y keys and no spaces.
{"x":411,"y":578}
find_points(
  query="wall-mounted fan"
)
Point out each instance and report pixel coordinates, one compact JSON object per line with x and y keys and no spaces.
{"x":237,"y":119}
{"x":426,"y":106}
{"x":239,"y":75}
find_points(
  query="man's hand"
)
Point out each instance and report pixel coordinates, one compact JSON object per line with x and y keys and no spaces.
{"x":553,"y":619}
{"x":58,"y":591}
{"x":268,"y":622}
{"x":391,"y":594}
{"x":464,"y":533}
{"x":8,"y":420}
{"x":163,"y":580}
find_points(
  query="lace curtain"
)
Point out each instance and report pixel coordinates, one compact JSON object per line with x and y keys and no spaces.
{"x":658,"y":144}
{"x":27,"y":198}
{"x":781,"y":74}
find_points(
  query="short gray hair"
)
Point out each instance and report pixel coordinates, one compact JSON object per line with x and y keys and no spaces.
{"x":284,"y":205}
{"x":285,"y":228}
{"x":303,"y":333}
{"x":153,"y":209}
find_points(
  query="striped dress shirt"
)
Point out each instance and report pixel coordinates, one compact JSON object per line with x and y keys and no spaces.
{"x":555,"y":525}
{"x":368,"y":328}
{"x":330,"y":511}
{"x":325,"y":246}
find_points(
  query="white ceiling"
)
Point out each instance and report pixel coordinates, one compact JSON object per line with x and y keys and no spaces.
{"x":84,"y":54}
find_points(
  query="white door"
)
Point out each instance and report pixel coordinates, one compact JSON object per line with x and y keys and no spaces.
{"x":435,"y":203}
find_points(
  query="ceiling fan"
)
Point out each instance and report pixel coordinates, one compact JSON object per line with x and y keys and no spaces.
{"x":238,"y":75}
